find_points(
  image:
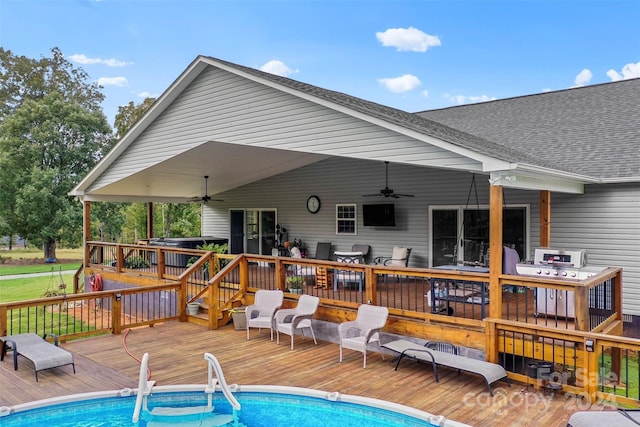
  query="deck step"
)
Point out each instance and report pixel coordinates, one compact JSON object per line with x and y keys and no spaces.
{"x":168,"y":411}
{"x":217,"y":420}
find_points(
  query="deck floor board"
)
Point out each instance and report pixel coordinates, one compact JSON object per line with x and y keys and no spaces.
{"x":176,"y":357}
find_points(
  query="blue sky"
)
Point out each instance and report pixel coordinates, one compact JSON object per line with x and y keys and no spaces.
{"x":411,"y":55}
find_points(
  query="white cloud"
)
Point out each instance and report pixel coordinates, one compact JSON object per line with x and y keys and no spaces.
{"x":465,"y":99}
{"x":425,"y":93}
{"x":400,"y":84}
{"x":145,"y":95}
{"x":583,"y":77}
{"x":113,"y":81}
{"x":85,"y":60}
{"x":278,"y":68}
{"x":629,"y":71}
{"x":407,"y":39}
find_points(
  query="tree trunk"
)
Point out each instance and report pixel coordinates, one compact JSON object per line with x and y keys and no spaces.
{"x":49,"y":248}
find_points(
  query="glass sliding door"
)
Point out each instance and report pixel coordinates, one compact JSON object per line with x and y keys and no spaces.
{"x":461,"y":235}
{"x":260,"y":231}
{"x":444,"y":229}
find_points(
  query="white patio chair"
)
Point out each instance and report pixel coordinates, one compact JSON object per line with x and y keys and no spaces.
{"x":260,"y":314}
{"x":358,"y":334}
{"x":290,"y":320}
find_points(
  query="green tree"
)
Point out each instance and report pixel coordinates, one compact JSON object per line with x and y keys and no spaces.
{"x":128,"y":115}
{"x":50,"y":143}
{"x":23,"y":78}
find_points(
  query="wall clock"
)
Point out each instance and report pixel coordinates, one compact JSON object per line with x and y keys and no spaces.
{"x":313,"y":204}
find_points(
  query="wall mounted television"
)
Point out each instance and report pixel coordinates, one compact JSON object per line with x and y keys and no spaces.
{"x":380,"y":215}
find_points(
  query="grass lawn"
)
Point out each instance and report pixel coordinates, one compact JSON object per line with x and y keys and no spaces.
{"x":32,"y":287}
{"x":7,"y":270}
{"x":37,"y":254}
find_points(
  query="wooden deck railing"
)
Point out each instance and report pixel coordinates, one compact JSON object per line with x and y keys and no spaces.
{"x":429,"y":303}
{"x":78,"y":315}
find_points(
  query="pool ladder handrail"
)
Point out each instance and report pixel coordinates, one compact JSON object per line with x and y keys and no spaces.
{"x":214,"y":365}
{"x":145,"y":386}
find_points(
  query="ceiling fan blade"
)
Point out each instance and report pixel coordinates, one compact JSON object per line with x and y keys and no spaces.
{"x":404,"y":195}
{"x":372,"y":195}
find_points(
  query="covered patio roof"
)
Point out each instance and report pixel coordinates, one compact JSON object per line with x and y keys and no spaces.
{"x":283,"y":136}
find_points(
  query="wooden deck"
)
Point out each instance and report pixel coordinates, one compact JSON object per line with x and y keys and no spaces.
{"x":176,"y":349}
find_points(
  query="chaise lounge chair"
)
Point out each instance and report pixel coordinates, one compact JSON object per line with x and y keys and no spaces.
{"x":491,"y":372}
{"x":41,"y":352}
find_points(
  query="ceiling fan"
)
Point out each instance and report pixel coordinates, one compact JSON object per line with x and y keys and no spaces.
{"x":386,"y":191}
{"x":206,"y":198}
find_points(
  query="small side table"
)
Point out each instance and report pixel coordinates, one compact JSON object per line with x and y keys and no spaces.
{"x":324,"y":277}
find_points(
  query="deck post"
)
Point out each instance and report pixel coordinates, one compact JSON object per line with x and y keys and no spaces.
{"x":86,"y":230}
{"x":495,"y":248}
{"x":545,"y":218}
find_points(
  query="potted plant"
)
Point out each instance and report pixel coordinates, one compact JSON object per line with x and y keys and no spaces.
{"x":213,"y":247}
{"x":239,"y":318}
{"x":295,"y":284}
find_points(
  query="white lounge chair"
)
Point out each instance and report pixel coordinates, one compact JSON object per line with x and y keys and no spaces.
{"x":491,"y":372}
{"x":290,"y":320}
{"x":358,"y":334}
{"x":41,"y":352}
{"x":260,"y":314}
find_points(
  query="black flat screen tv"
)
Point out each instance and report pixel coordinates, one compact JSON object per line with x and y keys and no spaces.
{"x":380,"y":215}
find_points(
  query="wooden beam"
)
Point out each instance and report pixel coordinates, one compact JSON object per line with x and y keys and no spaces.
{"x":495,"y":251}
{"x":86,"y":230}
{"x":149,"y":220}
{"x":545,"y":218}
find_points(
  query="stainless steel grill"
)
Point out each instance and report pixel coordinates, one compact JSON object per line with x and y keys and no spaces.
{"x":557,"y":264}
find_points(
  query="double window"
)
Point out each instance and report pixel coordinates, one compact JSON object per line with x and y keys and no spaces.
{"x":346,"y":219}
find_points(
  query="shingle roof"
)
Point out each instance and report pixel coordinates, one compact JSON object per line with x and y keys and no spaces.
{"x":592,"y":130}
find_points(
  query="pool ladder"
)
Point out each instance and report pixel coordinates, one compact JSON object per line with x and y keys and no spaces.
{"x":167,"y":414}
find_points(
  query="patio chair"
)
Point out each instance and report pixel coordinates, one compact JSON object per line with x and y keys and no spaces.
{"x":261,"y":313}
{"x":399,"y":257}
{"x":323,"y":252}
{"x":346,"y":276}
{"x":358,"y":334}
{"x":290,"y":320}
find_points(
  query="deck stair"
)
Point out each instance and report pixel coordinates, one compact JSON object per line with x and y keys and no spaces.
{"x":190,"y":416}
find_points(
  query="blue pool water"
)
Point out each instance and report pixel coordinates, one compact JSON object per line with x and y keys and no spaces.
{"x":258,"y":410}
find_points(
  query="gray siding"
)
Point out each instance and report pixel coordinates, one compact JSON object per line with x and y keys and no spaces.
{"x":223,"y":107}
{"x":338,"y":181}
{"x":606,"y":222}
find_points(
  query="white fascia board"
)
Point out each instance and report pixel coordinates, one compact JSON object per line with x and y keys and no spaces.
{"x":528,"y":177}
{"x":465,"y":152}
{"x":167,"y":97}
{"x":144,"y":199}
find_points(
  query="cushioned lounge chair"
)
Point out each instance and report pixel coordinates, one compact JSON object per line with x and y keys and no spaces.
{"x":41,"y":352}
{"x":261,"y":313}
{"x":491,"y":372}
{"x":290,"y":320}
{"x":358,"y":334}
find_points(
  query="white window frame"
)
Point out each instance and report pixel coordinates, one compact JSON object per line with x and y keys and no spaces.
{"x":340,"y":219}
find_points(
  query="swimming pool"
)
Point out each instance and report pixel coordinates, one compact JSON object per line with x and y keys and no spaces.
{"x":262,"y":406}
